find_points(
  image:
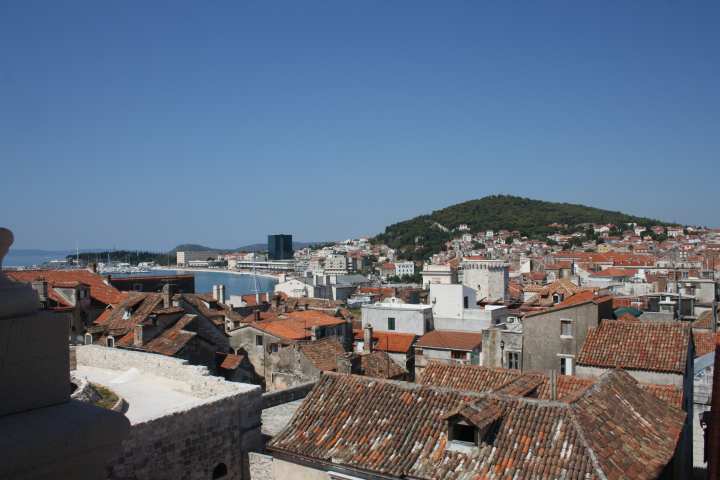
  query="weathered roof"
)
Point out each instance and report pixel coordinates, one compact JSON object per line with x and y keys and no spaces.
{"x":481,"y":379}
{"x":99,"y":290}
{"x":653,"y":346}
{"x":450,"y":340}
{"x":400,"y":429}
{"x":323,"y":353}
{"x":466,"y":377}
{"x":704,"y":320}
{"x":230,"y":360}
{"x":393,"y":342}
{"x":378,"y":364}
{"x":173,"y":339}
{"x":704,"y":342}
{"x":297,"y":325}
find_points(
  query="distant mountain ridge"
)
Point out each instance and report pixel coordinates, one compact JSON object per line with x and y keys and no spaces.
{"x":259,"y":247}
{"x":497,"y":212}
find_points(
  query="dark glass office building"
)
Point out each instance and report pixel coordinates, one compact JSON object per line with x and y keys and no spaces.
{"x":280,"y":247}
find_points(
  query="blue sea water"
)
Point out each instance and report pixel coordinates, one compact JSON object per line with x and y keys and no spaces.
{"x":27,"y":258}
{"x":234,"y":284}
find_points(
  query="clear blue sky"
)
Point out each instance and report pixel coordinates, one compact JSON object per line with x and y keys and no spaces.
{"x":144,"y":124}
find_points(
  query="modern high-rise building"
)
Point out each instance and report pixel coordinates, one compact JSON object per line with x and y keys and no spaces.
{"x":280,"y":247}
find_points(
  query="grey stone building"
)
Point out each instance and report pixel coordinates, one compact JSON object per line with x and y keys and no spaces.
{"x":552,"y":338}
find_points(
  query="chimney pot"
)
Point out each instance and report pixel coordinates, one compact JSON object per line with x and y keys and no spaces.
{"x":553,"y":385}
{"x":138,"y":336}
{"x":167,"y":296}
{"x":367,"y":338}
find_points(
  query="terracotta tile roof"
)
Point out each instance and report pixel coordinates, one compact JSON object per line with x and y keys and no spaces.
{"x":628,"y":317}
{"x":231,"y":361}
{"x":467,"y":377}
{"x":99,"y":290}
{"x":669,"y":393}
{"x":704,"y":342}
{"x":634,"y":443}
{"x":575,"y":300}
{"x":144,"y":304}
{"x":559,"y":265}
{"x":653,"y":346}
{"x":545,"y":294}
{"x":200,"y":302}
{"x":615,"y":272}
{"x":400,"y":429}
{"x":297,"y":325}
{"x":704,"y":320}
{"x":172,"y":340}
{"x":323,"y":353}
{"x":378,"y":364}
{"x":392,"y":342}
{"x":614,"y":258}
{"x":104,"y":317}
{"x":251,"y":300}
{"x":450,"y":340}
{"x":481,"y":379}
{"x":568,"y":387}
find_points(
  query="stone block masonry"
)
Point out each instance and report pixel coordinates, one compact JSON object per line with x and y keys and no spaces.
{"x":206,"y":439}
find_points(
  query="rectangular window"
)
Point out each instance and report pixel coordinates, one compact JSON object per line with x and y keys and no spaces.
{"x":566,"y":366}
{"x":458,"y":355}
{"x":418,"y":352}
{"x":513,"y":360}
{"x":566,"y":328}
{"x":465,"y":302}
{"x":274,"y":347}
{"x":258,"y":340}
{"x":391,"y":323}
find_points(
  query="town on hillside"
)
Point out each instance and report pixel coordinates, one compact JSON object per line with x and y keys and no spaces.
{"x":585,"y":352}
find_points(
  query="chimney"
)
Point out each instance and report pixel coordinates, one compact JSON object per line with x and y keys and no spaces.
{"x":167,"y":296}
{"x":367,"y":338}
{"x":348,"y":363}
{"x":257,"y":298}
{"x":41,"y":288}
{"x":92,"y":266}
{"x":313,"y":333}
{"x":257,"y":315}
{"x":215,"y":292}
{"x":221,"y":293}
{"x":138,"y":335}
{"x":553,"y":385}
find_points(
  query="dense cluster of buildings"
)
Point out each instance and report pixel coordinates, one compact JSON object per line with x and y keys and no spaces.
{"x":588,"y":355}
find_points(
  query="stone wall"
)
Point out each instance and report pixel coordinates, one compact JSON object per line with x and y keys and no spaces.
{"x":288,"y":395}
{"x":198,"y":378}
{"x":194,"y":443}
{"x":186,"y":443}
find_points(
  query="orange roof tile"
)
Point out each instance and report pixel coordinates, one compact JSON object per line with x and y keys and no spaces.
{"x":99,"y":290}
{"x":652,"y":346}
{"x":450,"y":340}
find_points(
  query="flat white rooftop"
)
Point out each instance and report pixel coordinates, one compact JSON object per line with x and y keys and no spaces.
{"x":148,"y":396}
{"x":398,"y":306}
